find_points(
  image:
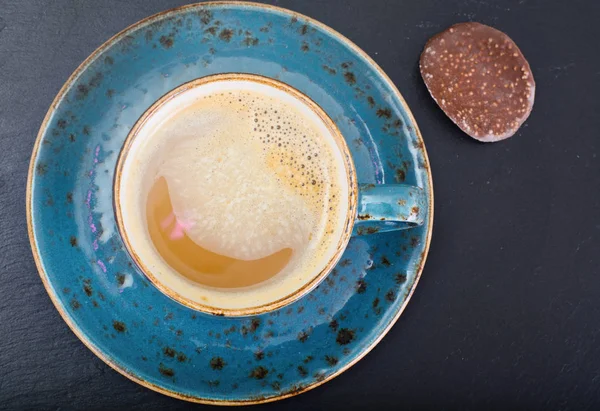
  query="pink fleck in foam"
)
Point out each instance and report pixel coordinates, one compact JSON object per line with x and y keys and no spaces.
{"x":178,"y":229}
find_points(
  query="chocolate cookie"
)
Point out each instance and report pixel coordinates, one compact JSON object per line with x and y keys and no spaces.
{"x":480,"y":78}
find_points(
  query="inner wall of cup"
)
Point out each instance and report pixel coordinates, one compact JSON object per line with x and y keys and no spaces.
{"x":131,"y":205}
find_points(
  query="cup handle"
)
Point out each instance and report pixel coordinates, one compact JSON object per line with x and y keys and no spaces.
{"x":389,"y":207}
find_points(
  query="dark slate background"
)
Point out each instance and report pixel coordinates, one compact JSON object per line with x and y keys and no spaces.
{"x":507,"y":313}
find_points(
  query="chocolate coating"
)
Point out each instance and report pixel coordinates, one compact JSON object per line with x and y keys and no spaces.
{"x":480,"y":78}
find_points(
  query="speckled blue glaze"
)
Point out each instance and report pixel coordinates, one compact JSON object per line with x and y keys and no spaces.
{"x":388,"y":207}
{"x":111,"y":305}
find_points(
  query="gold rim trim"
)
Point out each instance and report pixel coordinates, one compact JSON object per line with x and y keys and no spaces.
{"x":70,"y":323}
{"x":350,"y":175}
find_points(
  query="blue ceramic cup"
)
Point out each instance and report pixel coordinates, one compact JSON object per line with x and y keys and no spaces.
{"x":370,"y":208}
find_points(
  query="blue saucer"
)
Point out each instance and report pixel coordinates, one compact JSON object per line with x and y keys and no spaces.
{"x":109,"y":303}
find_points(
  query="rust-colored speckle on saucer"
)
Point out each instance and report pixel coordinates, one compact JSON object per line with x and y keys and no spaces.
{"x":481,"y":80}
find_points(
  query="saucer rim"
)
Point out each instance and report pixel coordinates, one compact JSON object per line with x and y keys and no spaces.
{"x":52,"y":292}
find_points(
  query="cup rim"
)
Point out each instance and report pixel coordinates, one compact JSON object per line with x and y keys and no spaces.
{"x":348,"y":223}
